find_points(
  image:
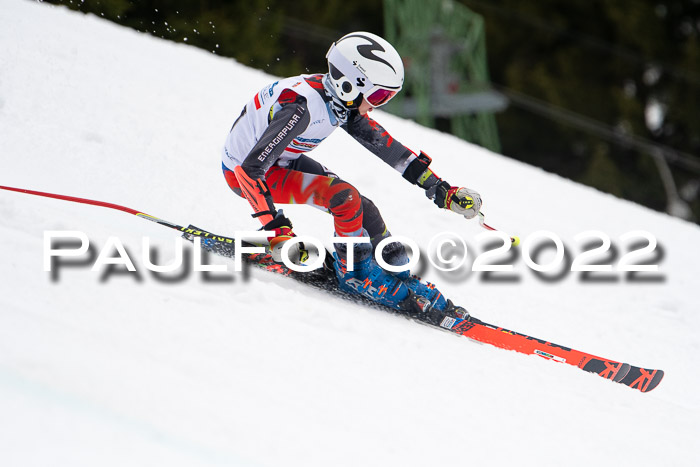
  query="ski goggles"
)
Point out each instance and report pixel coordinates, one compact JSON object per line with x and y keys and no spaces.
{"x":377,"y":95}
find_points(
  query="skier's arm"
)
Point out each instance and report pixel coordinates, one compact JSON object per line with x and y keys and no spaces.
{"x":378,"y":141}
{"x":289,"y":120}
{"x":414,"y":168}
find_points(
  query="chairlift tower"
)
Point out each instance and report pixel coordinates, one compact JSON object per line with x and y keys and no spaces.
{"x":443,"y":46}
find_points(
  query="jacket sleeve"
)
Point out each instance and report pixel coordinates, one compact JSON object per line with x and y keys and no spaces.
{"x":290,"y":117}
{"x":413,"y":167}
{"x":377,"y":140}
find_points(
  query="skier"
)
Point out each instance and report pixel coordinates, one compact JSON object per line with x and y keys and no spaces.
{"x":264,"y":161}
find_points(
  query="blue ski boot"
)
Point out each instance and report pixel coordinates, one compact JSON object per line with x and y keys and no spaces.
{"x":368,"y":278}
{"x":425,"y":302}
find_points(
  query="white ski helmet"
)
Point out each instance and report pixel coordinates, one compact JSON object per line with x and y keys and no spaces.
{"x":362,"y":64}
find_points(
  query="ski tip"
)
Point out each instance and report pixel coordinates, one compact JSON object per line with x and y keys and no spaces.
{"x":643,"y":379}
{"x":607,"y":369}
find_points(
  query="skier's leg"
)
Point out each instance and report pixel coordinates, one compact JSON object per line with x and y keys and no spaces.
{"x":395,"y":254}
{"x":306,"y":181}
{"x":372,"y":222}
{"x":326,"y":192}
{"x":317,"y":186}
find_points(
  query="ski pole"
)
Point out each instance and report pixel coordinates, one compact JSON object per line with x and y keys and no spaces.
{"x":188,"y":230}
{"x":514,"y":240}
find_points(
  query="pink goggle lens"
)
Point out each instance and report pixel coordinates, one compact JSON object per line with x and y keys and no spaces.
{"x":380,"y":97}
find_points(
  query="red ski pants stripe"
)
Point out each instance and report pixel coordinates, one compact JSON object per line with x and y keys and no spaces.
{"x":328,"y":193}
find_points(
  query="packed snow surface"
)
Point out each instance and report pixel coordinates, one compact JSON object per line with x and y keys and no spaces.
{"x":113,"y":368}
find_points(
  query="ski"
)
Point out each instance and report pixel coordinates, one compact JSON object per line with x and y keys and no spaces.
{"x":635,"y":377}
{"x":643,"y":379}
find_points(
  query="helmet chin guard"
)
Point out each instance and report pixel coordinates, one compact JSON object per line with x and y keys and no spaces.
{"x":363,"y":65}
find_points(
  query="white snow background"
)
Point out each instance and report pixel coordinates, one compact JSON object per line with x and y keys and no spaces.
{"x":263,"y":371}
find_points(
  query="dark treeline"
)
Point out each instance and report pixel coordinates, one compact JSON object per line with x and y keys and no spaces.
{"x":278,"y":36}
{"x":632,"y":67}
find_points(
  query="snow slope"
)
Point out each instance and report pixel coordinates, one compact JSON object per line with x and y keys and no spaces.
{"x":130,"y":370}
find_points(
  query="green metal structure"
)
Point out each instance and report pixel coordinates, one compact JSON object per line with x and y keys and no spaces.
{"x":443,"y":46}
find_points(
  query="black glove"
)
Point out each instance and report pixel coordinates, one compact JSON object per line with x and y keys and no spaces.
{"x":463,"y":201}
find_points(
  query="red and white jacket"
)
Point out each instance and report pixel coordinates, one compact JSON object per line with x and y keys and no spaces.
{"x":294,"y":115}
